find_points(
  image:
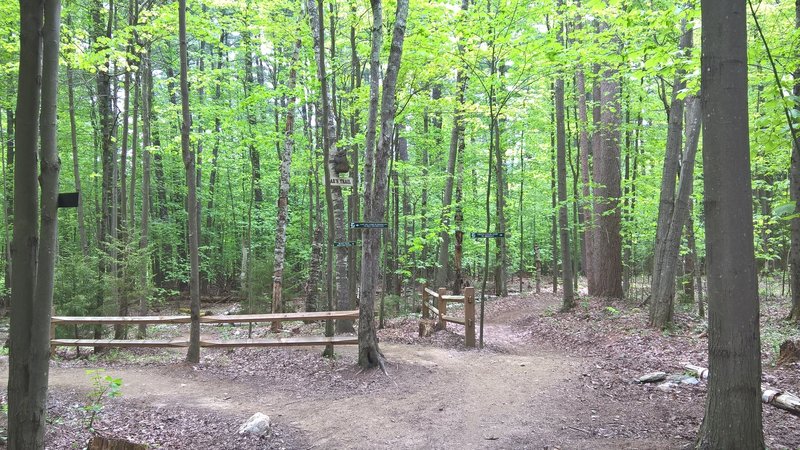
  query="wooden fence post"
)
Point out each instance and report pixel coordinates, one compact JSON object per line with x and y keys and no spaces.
{"x":52,"y":331}
{"x":442,"y":305}
{"x":469,"y":317}
{"x":426,"y":313}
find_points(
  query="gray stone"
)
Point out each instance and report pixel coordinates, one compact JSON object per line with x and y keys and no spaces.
{"x":690,"y":380}
{"x":652,"y":377}
{"x":258,"y":424}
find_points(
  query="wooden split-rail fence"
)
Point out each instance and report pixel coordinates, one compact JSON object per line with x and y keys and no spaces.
{"x":436,"y":302}
{"x":204,"y":342}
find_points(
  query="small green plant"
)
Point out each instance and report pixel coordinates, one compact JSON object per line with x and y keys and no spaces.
{"x":612,"y":311}
{"x":103,"y":386}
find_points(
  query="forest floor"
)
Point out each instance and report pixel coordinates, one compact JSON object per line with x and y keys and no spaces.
{"x":544,"y":380}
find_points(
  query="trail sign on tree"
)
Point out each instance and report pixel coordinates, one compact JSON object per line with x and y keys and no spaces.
{"x":369,"y":225}
{"x":487,"y":235}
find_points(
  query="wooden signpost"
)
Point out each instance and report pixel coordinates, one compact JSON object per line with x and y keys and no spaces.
{"x":487,"y":235}
{"x":369,"y":225}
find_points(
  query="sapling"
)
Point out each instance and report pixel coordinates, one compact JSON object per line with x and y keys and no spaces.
{"x":103,"y":386}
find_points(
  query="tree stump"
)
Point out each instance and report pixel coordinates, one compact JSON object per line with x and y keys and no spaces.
{"x":789,"y":352}
{"x":426,"y":327}
{"x":104,"y":443}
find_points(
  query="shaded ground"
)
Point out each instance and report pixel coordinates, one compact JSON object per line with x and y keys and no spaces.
{"x":544,"y":380}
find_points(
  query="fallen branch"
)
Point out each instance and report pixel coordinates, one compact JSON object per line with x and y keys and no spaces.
{"x":779,"y":399}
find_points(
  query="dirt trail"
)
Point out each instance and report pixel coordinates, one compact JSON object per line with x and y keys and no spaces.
{"x":434,"y":398}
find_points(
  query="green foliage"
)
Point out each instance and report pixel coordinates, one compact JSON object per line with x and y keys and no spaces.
{"x":103,"y":387}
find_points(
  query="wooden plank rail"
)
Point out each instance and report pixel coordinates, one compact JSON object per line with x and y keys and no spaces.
{"x":439,"y":309}
{"x":213,"y":319}
{"x":115,"y":320}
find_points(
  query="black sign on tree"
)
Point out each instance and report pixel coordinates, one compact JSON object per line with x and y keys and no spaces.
{"x":68,"y":200}
{"x":487,"y":235}
{"x":369,"y":225}
{"x":345,"y":244}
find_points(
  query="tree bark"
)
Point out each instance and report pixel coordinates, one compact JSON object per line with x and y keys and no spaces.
{"x":147,"y":101}
{"x":75,"y":164}
{"x":283,"y":191}
{"x":733,"y":401}
{"x":33,"y":250}
{"x":661,"y":305}
{"x":662,"y":289}
{"x":606,"y":166}
{"x":193,"y":353}
{"x":568,"y":296}
{"x":369,"y":354}
{"x":794,"y":191}
{"x":586,"y":201}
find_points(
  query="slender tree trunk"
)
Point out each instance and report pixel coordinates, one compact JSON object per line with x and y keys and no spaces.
{"x":147,"y":101}
{"x":283,"y":191}
{"x":660,"y":302}
{"x":568,"y":296}
{"x":733,"y":404}
{"x":75,"y":163}
{"x":369,"y":354}
{"x":661,"y":306}
{"x":335,"y":163}
{"x":193,"y":354}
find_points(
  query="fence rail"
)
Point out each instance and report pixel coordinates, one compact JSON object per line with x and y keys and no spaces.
{"x":439,"y":309}
{"x":212,"y":319}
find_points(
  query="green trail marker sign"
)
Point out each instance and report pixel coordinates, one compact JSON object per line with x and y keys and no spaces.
{"x":369,"y":225}
{"x":487,"y":235}
{"x":345,"y":244}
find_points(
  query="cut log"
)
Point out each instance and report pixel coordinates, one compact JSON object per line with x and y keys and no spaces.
{"x":104,"y":443}
{"x":779,"y":399}
{"x":789,"y":352}
{"x":783,"y":400}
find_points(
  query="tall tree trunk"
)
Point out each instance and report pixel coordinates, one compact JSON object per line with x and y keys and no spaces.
{"x":587,"y":206}
{"x":283,"y":190}
{"x":193,"y":354}
{"x":661,"y":306}
{"x":568,"y":296}
{"x":660,"y":302}
{"x":147,"y":102}
{"x":34,"y":250}
{"x":733,"y":404}
{"x":75,"y":163}
{"x":606,"y":165}
{"x":794,"y":191}
{"x":369,"y":354}
{"x":335,"y":163}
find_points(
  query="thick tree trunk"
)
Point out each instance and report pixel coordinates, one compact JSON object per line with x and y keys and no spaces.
{"x":733,"y":404}
{"x":794,"y":191}
{"x":283,"y":191}
{"x":606,"y":165}
{"x":33,"y":253}
{"x":661,"y":305}
{"x":369,"y":354}
{"x":193,"y":354}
